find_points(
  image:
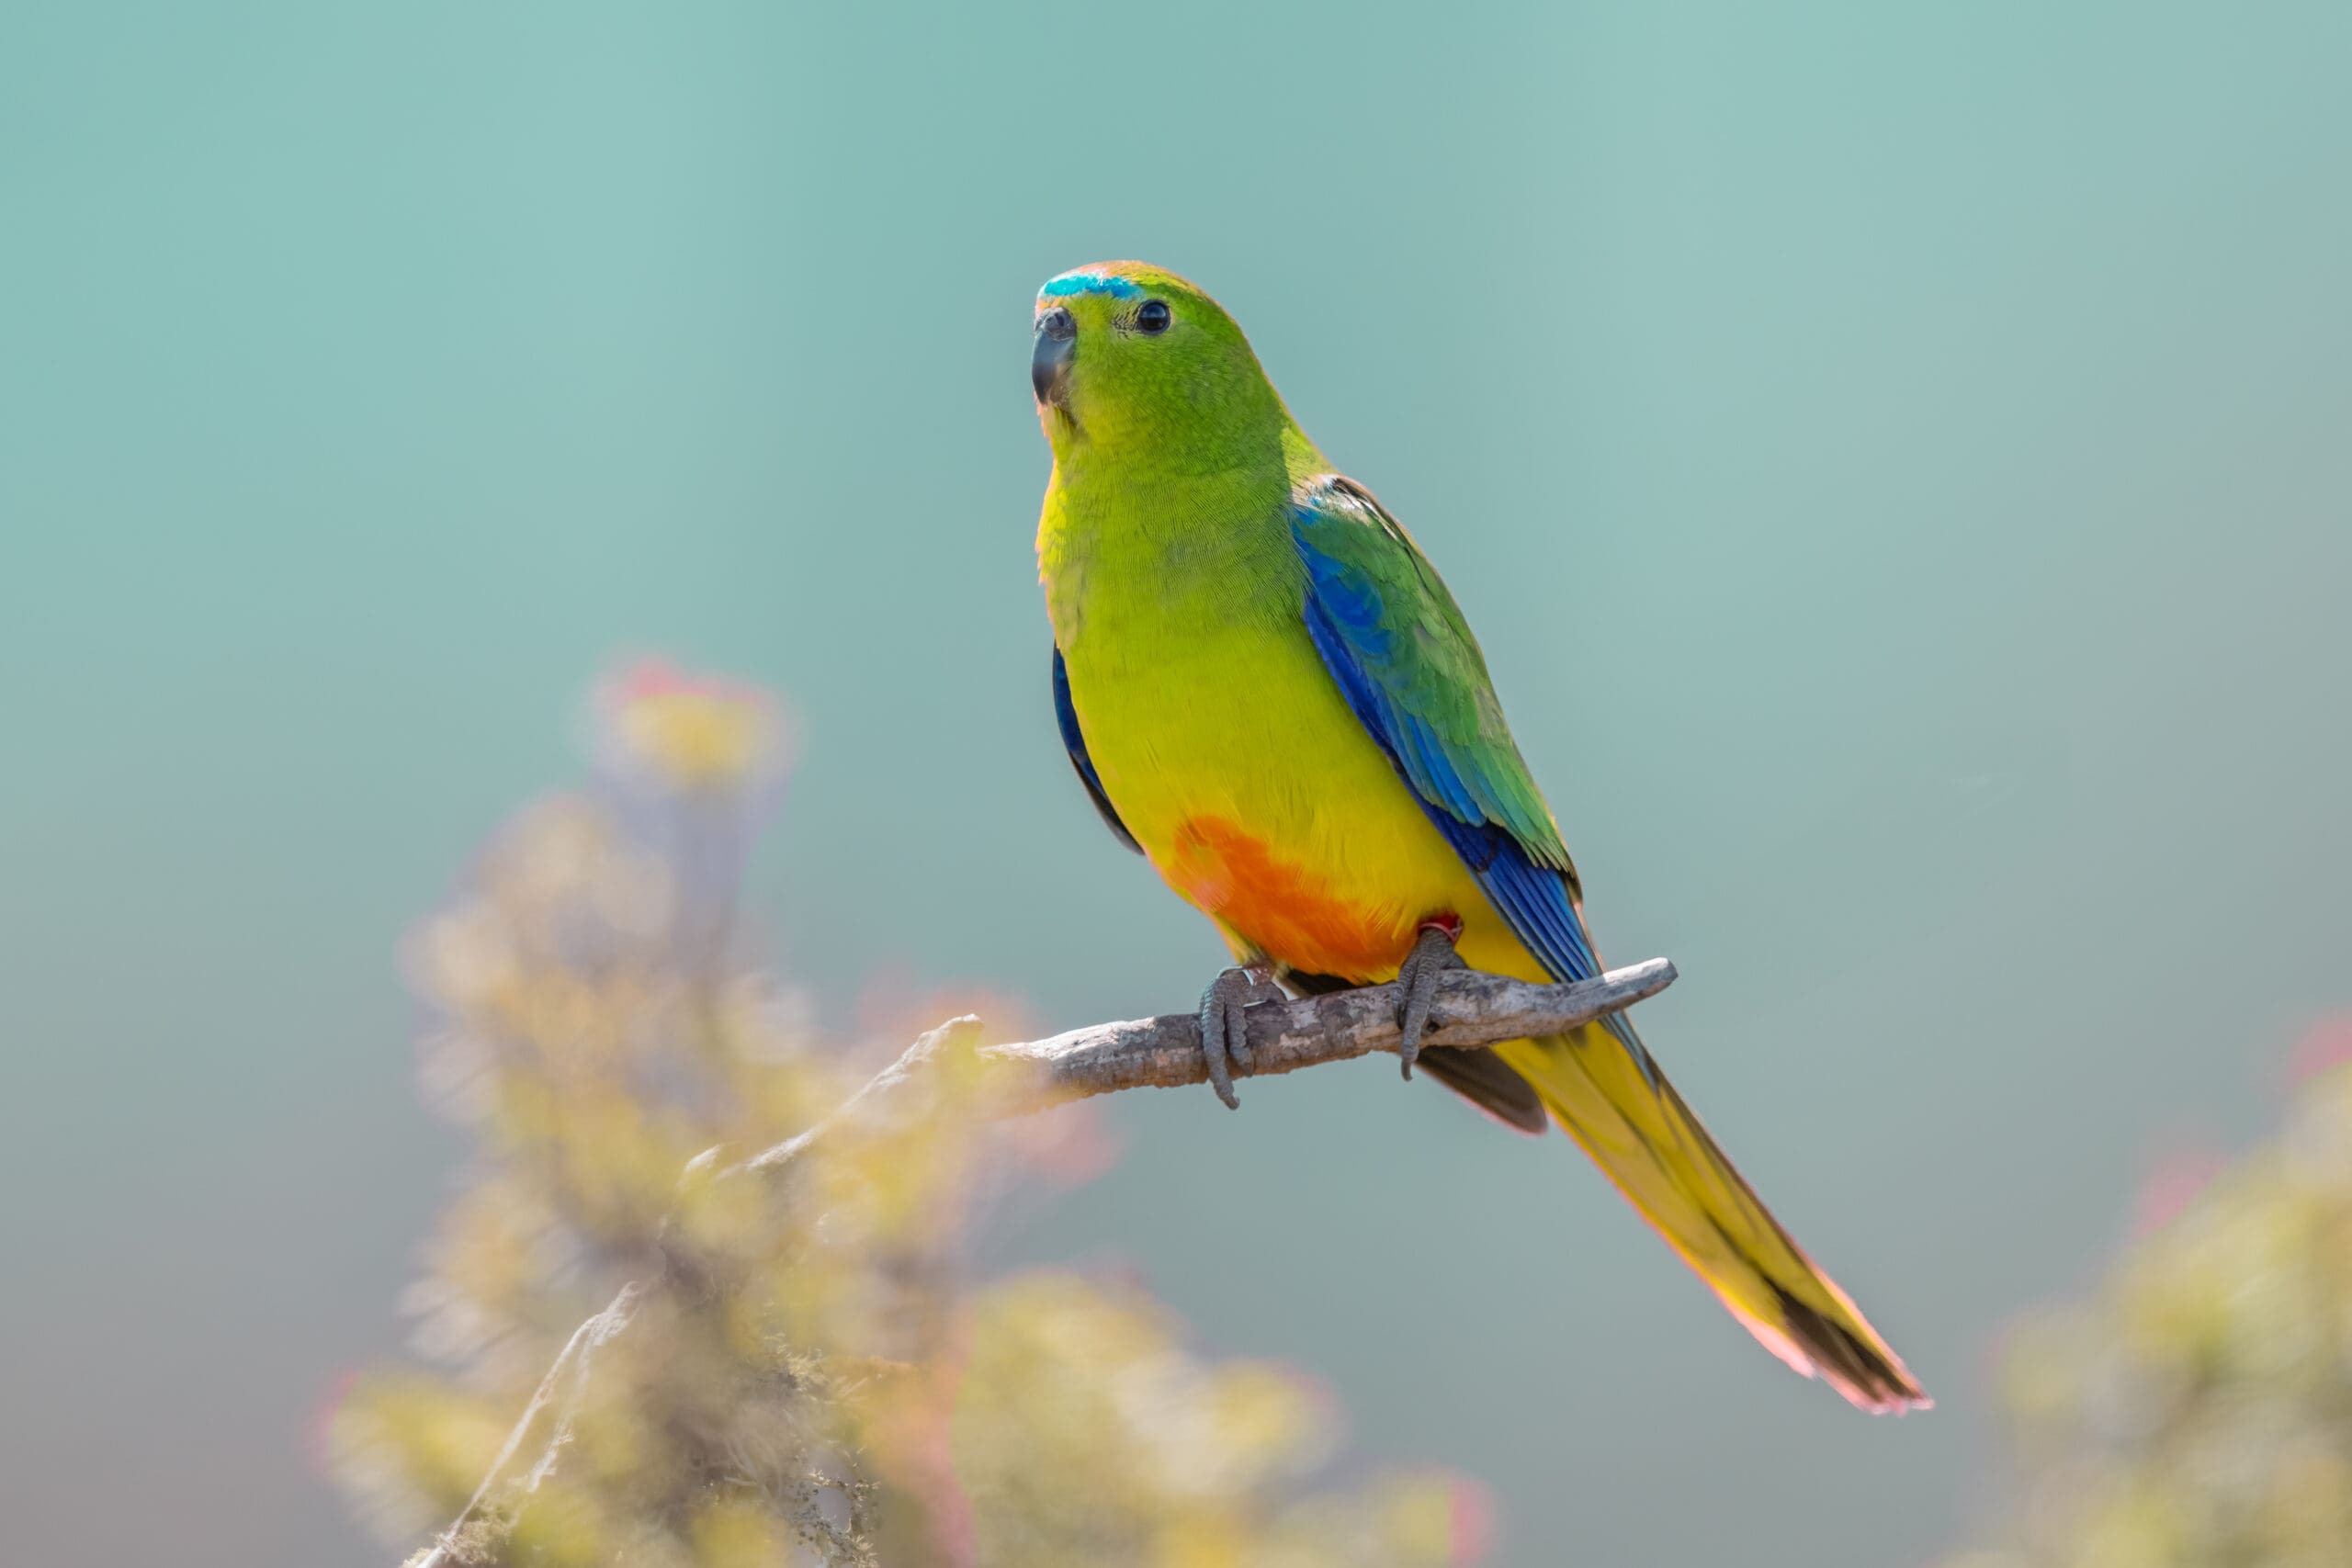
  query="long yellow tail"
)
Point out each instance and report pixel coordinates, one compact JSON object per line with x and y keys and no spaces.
{"x":1608,"y":1096}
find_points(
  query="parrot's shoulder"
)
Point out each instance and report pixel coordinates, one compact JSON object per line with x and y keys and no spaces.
{"x":1357,"y":551}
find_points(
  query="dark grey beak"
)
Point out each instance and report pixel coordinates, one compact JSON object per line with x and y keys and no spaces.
{"x":1049,"y":361}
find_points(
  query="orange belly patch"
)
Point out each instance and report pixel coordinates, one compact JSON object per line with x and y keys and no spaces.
{"x":1291,"y":914}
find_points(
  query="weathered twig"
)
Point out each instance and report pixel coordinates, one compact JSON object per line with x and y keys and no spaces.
{"x":1472,"y":1010}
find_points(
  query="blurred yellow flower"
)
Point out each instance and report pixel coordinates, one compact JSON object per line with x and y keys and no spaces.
{"x":833,"y":1393}
{"x":691,"y":732}
{"x":2194,"y":1411}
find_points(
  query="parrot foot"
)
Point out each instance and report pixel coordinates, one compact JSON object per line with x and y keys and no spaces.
{"x":1224,"y":1035}
{"x":1432,"y":956}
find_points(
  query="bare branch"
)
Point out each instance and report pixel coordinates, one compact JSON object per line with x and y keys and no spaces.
{"x":1472,"y":1010}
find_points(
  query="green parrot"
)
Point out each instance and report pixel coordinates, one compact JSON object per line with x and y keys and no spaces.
{"x":1270,"y":694}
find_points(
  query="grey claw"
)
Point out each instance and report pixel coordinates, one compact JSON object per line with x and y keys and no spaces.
{"x":1432,"y":956}
{"x":1225,"y":1027}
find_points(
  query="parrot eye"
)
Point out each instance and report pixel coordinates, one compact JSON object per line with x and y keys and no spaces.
{"x":1153,"y":318}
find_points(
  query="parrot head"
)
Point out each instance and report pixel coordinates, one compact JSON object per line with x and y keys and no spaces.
{"x":1133,"y":362}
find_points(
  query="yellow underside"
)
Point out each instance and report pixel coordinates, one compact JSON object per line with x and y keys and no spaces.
{"x":1278,"y":818}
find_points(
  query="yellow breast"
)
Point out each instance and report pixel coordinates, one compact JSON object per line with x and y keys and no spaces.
{"x":1255,"y":791}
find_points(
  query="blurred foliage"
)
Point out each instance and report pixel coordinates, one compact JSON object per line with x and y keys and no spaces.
{"x":828,"y":1387}
{"x":2197,"y":1411}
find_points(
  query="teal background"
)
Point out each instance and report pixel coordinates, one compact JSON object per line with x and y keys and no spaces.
{"x":1896,"y":457}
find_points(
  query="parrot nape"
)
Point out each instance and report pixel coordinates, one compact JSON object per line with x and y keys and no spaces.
{"x":1268,"y":694}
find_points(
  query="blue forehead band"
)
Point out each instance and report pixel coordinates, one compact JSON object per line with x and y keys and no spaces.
{"x":1071,"y":283}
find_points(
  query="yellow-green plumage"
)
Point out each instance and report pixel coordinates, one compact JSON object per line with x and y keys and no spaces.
{"x":1272,"y":693}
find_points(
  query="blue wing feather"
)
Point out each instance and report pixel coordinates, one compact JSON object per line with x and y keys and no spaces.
{"x":1534,"y":898}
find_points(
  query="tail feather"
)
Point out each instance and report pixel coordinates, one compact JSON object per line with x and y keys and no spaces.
{"x":1486,"y":1081}
{"x":1606,"y":1093}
